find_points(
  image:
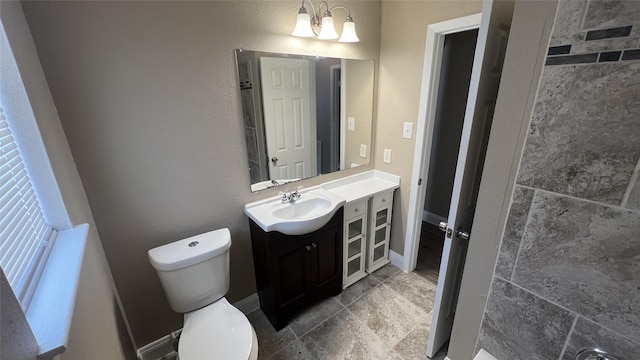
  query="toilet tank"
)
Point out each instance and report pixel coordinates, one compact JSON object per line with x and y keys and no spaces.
{"x":194,"y":272}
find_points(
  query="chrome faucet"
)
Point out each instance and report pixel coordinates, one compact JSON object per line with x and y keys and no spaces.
{"x":292,"y":196}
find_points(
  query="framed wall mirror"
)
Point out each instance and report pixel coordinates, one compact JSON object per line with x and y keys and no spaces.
{"x":304,"y":115}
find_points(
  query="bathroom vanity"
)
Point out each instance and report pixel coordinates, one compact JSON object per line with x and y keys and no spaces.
{"x":325,"y":240}
{"x":293,"y":271}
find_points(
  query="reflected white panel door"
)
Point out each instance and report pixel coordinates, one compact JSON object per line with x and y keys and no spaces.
{"x":288,"y":115}
{"x":483,"y":91}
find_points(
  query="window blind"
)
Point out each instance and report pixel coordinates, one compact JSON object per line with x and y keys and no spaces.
{"x":24,"y":233}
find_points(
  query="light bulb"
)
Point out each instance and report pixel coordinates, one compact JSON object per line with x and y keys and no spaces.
{"x":327,"y":31}
{"x":303,"y":24}
{"x":349,"y":31}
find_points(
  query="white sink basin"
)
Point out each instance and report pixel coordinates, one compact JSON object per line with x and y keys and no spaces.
{"x":312,"y":211}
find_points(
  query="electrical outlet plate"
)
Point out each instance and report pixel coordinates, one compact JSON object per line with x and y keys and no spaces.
{"x":387,"y":156}
{"x":363,"y":150}
{"x":407,"y":130}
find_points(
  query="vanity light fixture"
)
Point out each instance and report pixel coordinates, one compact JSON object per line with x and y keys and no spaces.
{"x":322,"y":27}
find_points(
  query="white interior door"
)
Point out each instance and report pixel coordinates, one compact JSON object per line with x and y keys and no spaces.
{"x":289,"y":114}
{"x":483,"y":90}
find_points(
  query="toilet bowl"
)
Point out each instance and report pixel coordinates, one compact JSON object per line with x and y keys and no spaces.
{"x":217,"y":331}
{"x":194,"y":273}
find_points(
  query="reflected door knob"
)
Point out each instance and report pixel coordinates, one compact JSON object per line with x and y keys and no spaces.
{"x":274,"y":159}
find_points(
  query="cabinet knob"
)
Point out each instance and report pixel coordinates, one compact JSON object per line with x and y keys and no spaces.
{"x":314,"y":245}
{"x":357,"y":210}
{"x":307,"y":247}
{"x":384,"y":200}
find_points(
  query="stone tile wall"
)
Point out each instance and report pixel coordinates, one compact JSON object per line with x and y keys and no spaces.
{"x":568,"y":272}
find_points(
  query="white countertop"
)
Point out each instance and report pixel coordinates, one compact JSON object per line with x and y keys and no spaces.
{"x":337,"y":192}
{"x":363,"y":185}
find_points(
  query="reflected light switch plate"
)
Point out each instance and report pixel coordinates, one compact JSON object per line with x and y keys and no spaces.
{"x":363,"y":150}
{"x":387,"y":156}
{"x":351,"y":124}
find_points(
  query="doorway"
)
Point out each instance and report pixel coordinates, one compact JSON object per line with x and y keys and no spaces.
{"x":470,"y":141}
{"x":455,"y":75}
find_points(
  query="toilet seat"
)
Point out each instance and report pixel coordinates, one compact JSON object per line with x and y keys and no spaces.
{"x":217,"y":331}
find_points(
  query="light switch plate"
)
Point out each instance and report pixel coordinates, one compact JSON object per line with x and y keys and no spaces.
{"x":363,"y":150}
{"x":387,"y":156}
{"x":351,"y":123}
{"x":407,"y":130}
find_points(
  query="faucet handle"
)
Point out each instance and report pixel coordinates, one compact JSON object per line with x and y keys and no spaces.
{"x":295,"y":195}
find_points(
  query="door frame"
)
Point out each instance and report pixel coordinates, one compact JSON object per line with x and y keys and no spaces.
{"x":343,"y":112}
{"x":336,"y":117}
{"x":425,"y":124}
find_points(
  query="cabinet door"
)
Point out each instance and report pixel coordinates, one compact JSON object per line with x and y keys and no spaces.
{"x":326,"y":262}
{"x":292,"y":275}
{"x":354,"y":247}
{"x":378,"y":244}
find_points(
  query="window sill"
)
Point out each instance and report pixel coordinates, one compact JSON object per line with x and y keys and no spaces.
{"x":51,"y":308}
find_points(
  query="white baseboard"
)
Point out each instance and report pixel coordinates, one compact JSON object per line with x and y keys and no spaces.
{"x":158,"y":349}
{"x":249,"y":304}
{"x":396,"y":259}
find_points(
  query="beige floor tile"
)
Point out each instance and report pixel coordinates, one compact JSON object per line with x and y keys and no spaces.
{"x":414,"y":345}
{"x":387,"y":314}
{"x":315,"y":315}
{"x":295,"y":351}
{"x":357,"y":290}
{"x":270,"y":341}
{"x":415,"y":288}
{"x":345,"y":337}
{"x":385,"y":272}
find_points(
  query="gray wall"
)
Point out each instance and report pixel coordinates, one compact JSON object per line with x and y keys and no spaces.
{"x":567,"y":275}
{"x":148,"y":97}
{"x":96,"y":301}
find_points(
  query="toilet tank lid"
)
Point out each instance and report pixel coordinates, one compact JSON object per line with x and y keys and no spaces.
{"x":190,"y":251}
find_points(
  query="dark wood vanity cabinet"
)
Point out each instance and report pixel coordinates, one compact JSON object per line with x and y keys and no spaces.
{"x":294,"y":271}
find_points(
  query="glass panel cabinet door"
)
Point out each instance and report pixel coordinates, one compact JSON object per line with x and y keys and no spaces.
{"x":381,"y":217}
{"x":355,"y":229}
{"x":354,"y":266}
{"x":380,"y":230}
{"x":378,"y":253}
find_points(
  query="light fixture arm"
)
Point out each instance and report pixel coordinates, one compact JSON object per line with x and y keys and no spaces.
{"x":341,"y":7}
{"x":317,"y":18}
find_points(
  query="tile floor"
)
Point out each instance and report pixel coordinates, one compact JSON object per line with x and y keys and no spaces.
{"x":386,"y":315}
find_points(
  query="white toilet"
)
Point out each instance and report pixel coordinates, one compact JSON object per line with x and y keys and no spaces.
{"x":194,"y":273}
